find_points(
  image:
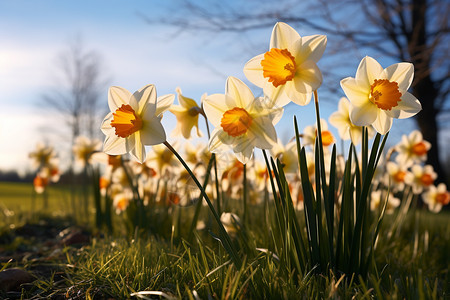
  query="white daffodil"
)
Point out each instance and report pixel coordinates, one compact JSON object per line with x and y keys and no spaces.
{"x":162,"y":159}
{"x":399,"y":175}
{"x":412,"y":149}
{"x":242,"y":122}
{"x":423,"y":177}
{"x":288,"y":156}
{"x":436,"y":197}
{"x":134,"y":121}
{"x":377,"y":95}
{"x":378,"y":198}
{"x":288,"y":71}
{"x":43,"y":156}
{"x":310,"y":134}
{"x":84,"y":148}
{"x":187,"y":115}
{"x":347,"y":130}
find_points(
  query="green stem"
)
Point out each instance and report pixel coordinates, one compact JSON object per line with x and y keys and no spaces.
{"x":218,"y":200}
{"x":140,"y":203}
{"x":225,"y":238}
{"x":200,"y":200}
{"x":245,"y":194}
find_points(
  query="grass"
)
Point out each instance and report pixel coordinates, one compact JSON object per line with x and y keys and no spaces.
{"x":411,"y":265}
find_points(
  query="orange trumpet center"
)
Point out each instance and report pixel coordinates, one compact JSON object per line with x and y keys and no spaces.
{"x":443,"y":198}
{"x":426,"y":179}
{"x":122,"y":203}
{"x":236,"y":121}
{"x":419,"y":149}
{"x":384,"y":94}
{"x":327,"y":138}
{"x":279,"y":66}
{"x":125,"y":121}
{"x":399,"y":176}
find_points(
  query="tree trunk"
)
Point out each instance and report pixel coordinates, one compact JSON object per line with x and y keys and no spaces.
{"x":423,"y":87}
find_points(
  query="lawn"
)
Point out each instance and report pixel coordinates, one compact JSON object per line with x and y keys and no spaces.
{"x":162,"y":263}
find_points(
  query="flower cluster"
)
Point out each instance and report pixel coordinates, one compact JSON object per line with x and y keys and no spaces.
{"x":287,"y":72}
{"x":45,"y":161}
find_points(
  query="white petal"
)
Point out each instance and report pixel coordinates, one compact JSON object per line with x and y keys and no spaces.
{"x":313,"y":47}
{"x":144,"y":97}
{"x":114,"y":145}
{"x":138,"y":151}
{"x":402,"y":73}
{"x":163,"y":103}
{"x":283,"y":36}
{"x":383,"y":123}
{"x":278,"y":97}
{"x":299,"y":98}
{"x":408,"y":106}
{"x":344,"y":105}
{"x":215,"y":106}
{"x":106,"y":124}
{"x":152,"y":133}
{"x":391,"y":167}
{"x":363,"y":115}
{"x":117,"y":96}
{"x":342,"y":124}
{"x":216,"y":143}
{"x":254,"y":71}
{"x":368,"y":70}
{"x":357,"y":94}
{"x":245,"y":155}
{"x":355,"y":134}
{"x":264,"y":133}
{"x":239,"y":92}
{"x":415,"y":137}
{"x":308,"y":77}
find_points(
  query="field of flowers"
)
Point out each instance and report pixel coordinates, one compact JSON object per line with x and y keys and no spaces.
{"x":244,"y":216}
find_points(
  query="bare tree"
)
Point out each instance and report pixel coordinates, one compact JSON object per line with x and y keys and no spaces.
{"x":397,"y":30}
{"x":79,"y":82}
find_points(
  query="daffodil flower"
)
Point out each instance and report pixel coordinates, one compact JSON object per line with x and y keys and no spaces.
{"x":341,"y":120}
{"x":423,"y":177}
{"x":162,"y":159}
{"x":377,"y":199}
{"x":84,"y":148}
{"x":288,"y":156}
{"x":399,"y":175}
{"x":134,"y":121}
{"x":242,"y":122}
{"x":288,"y":71}
{"x":187,"y":115}
{"x":43,"y":156}
{"x":412,"y":149}
{"x":378,"y":95}
{"x":310,"y":134}
{"x":436,"y":197}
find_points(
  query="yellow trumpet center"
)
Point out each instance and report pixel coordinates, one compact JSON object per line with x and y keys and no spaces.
{"x":419,"y":149}
{"x":279,"y":66}
{"x":236,"y":121}
{"x":125,"y":121}
{"x":384,"y":94}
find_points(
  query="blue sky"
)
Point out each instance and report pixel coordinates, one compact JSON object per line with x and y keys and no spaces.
{"x":134,"y":53}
